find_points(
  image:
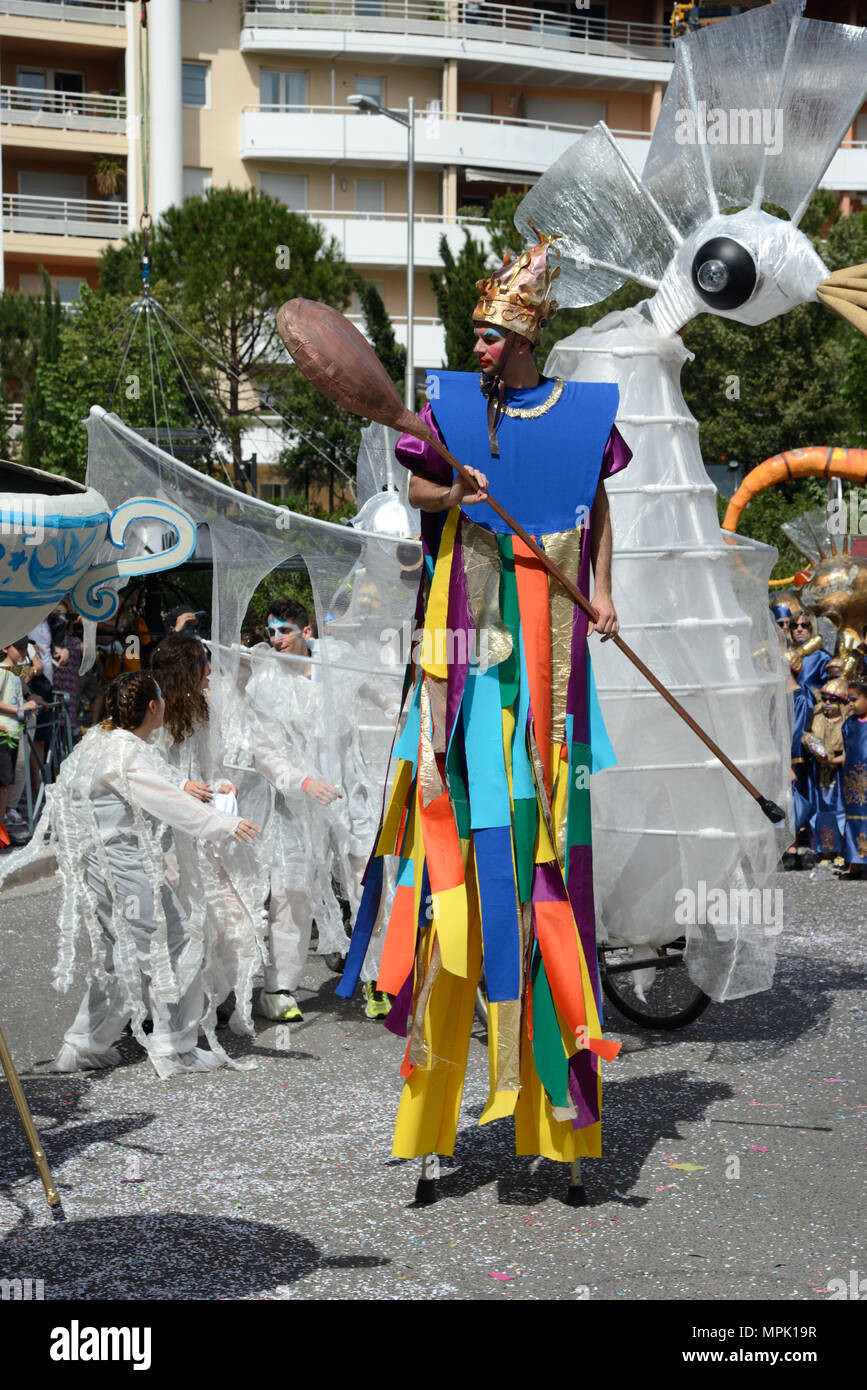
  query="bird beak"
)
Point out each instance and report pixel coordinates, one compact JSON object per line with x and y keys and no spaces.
{"x":845,"y":294}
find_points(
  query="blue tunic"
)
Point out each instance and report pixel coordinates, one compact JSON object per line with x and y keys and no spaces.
{"x":855,"y":789}
{"x":801,"y":806}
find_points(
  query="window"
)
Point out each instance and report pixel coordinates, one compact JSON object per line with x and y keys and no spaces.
{"x":35,"y":81}
{"x":861,"y":126}
{"x":369,"y":195}
{"x":39,"y":183}
{"x":476,"y":103}
{"x":284,"y":91}
{"x":67,"y":289}
{"x":69,"y":82}
{"x":565,"y":111}
{"x":368,"y":6}
{"x":371,"y":87}
{"x":194,"y":84}
{"x":196,"y":181}
{"x":291,"y":189}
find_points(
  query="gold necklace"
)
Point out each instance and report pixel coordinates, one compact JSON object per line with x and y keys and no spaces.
{"x":534,"y":411}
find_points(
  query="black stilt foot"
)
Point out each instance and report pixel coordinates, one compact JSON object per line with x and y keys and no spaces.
{"x":426,"y":1191}
{"x":576,"y":1195}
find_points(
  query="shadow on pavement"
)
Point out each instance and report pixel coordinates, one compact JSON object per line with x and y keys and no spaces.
{"x":636,"y":1113}
{"x":172,"y":1255}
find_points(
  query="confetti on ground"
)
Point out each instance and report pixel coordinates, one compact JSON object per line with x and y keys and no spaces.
{"x":689,"y":1167}
{"x":666,"y":1186}
{"x":765,"y":1102}
{"x":503,"y":1277}
{"x":757,"y":1149}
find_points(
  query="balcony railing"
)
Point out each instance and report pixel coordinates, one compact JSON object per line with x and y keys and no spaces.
{"x":470,"y":20}
{"x":62,"y":110}
{"x":14,"y":413}
{"x":82,"y":11}
{"x":427,"y":121}
{"x":23,"y":212}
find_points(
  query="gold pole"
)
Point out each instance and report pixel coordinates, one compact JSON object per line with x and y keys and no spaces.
{"x":51,"y":1192}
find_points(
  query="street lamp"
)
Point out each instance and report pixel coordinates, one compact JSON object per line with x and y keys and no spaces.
{"x":366,"y":103}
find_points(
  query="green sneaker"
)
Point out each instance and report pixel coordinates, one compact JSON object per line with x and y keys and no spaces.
{"x":280,"y":1008}
{"x":376,"y":1004}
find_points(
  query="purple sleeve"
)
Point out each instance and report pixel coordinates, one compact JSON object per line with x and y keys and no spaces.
{"x":418,"y":456}
{"x":617,"y":454}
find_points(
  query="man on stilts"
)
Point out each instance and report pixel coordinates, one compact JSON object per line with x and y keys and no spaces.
{"x":490,"y":807}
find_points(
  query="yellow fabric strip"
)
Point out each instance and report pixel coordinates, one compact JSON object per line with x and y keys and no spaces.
{"x":434,"y":639}
{"x":386,"y":843}
{"x":450,"y":920}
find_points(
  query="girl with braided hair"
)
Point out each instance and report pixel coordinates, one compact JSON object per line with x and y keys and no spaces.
{"x":113,"y":800}
{"x":223,"y":887}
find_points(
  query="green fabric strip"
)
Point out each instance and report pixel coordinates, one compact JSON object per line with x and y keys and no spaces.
{"x":552,"y":1064}
{"x":524,"y":822}
{"x":510,"y":668}
{"x":458,"y":790}
{"x":578,"y":816}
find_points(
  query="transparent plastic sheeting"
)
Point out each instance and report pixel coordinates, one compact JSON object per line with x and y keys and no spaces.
{"x":809,"y":532}
{"x":804,"y":81}
{"x":364,"y":590}
{"x":669,"y":823}
{"x":755,"y":110}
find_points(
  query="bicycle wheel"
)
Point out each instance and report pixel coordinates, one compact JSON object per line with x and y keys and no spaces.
{"x":670,"y":1000}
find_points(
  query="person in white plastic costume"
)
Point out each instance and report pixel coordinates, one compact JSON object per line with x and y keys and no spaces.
{"x":223,"y":887}
{"x":694,"y":230}
{"x":113,"y":798}
{"x":285,"y":714}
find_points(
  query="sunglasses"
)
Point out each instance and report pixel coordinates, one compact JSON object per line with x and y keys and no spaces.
{"x":838,"y":699}
{"x":800,"y":622}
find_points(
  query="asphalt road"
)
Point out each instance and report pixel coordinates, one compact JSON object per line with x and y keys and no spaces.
{"x":733,"y":1168}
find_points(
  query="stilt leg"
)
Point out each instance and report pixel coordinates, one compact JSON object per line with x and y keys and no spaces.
{"x":426,"y":1188}
{"x":576,"y":1195}
{"x":52,"y":1195}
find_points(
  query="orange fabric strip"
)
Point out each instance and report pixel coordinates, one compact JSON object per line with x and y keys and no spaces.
{"x":442,"y":848}
{"x":399,"y":946}
{"x":533,"y":601}
{"x":561,"y":952}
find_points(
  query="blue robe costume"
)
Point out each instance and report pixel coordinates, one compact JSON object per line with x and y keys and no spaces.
{"x":855,"y":789}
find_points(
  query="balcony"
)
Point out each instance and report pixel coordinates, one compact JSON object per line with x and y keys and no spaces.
{"x":81,"y":11}
{"x":337,"y":134}
{"x":73,"y":217}
{"x":379,"y":238}
{"x":429,"y":338}
{"x":463,"y":29}
{"x":62,"y":110}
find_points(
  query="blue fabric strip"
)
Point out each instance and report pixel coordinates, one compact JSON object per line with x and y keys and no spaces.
{"x":501,"y":934}
{"x":601,"y":751}
{"x":407,"y":745}
{"x":523,"y":784}
{"x":363,"y":930}
{"x":483,"y":733}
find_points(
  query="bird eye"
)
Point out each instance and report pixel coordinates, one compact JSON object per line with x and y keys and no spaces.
{"x":723,"y":273}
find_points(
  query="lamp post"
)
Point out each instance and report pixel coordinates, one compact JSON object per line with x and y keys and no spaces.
{"x":366,"y":103}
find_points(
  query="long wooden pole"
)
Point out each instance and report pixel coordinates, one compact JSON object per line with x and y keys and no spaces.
{"x":51,"y":1192}
{"x":773,"y":812}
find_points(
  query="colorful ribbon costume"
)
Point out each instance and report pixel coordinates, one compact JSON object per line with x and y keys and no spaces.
{"x":489,"y":812}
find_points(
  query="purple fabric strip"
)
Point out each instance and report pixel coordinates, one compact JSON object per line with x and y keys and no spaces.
{"x":458,"y":620}
{"x":583,"y":1070}
{"x":548,"y":885}
{"x":398,"y":1018}
{"x":580,"y":886}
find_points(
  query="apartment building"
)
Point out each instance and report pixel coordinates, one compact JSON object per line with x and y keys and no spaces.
{"x":254,"y":93}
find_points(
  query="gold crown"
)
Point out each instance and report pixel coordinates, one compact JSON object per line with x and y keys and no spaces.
{"x":517,"y":297}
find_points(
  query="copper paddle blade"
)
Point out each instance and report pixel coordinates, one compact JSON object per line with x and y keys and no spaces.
{"x":340,"y":363}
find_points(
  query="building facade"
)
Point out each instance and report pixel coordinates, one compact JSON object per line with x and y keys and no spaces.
{"x":254,"y":93}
